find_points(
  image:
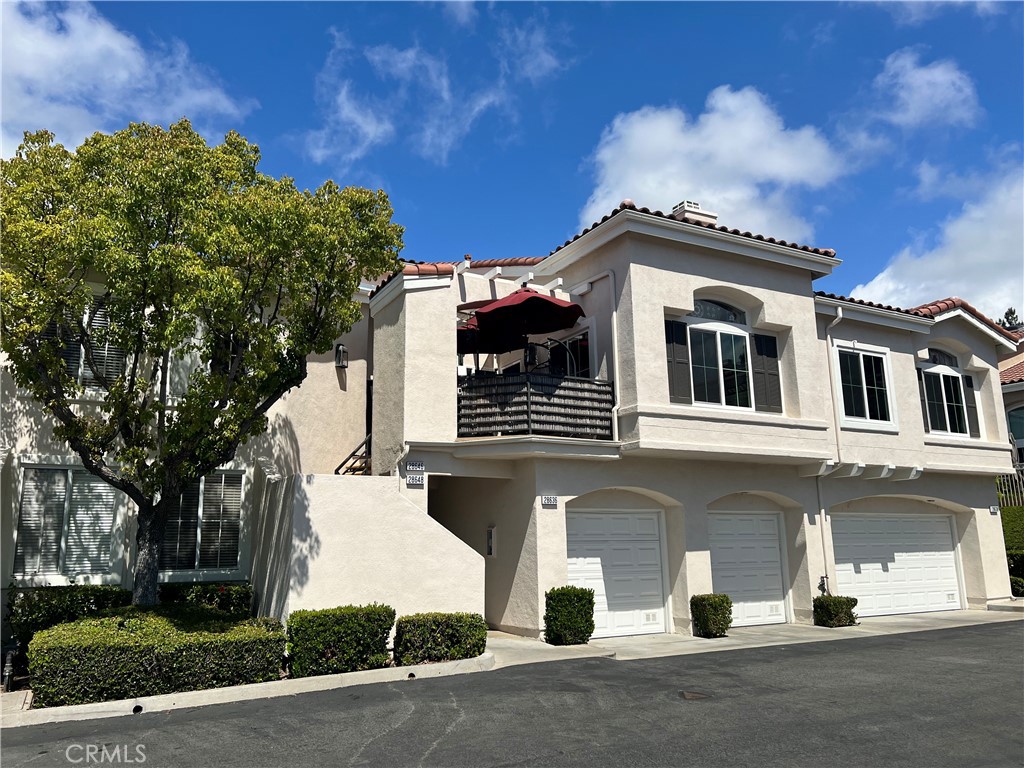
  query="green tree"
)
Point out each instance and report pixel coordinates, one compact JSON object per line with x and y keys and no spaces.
{"x":146,"y":248}
{"x":1010,"y":319}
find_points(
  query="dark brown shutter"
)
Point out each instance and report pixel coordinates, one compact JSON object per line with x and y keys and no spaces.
{"x":924,"y":400}
{"x":764,"y":370}
{"x":678,"y":362}
{"x":971,"y":405}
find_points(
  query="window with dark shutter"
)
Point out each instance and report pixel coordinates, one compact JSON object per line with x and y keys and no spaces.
{"x":971,"y":405}
{"x":221,"y":513}
{"x":108,"y":359}
{"x":765,"y":373}
{"x":178,"y":551}
{"x":678,"y":356}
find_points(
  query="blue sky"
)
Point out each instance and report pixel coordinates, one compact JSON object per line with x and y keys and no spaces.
{"x":890,"y":132}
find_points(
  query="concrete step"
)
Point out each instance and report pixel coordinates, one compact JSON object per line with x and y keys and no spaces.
{"x":1011,"y":604}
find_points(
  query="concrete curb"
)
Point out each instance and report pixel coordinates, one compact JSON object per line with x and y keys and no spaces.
{"x":186,"y":699}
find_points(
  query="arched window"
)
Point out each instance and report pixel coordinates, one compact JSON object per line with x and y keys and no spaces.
{"x":947,"y":396}
{"x":714,"y":359}
{"x":1015,"y":420}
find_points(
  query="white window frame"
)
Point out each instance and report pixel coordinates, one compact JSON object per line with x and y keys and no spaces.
{"x":955,"y":373}
{"x":865,"y":422}
{"x":718,"y":328}
{"x":1018,"y":442}
{"x":207,"y":574}
{"x":60,"y":577}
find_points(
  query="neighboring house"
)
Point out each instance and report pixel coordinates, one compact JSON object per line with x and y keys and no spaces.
{"x":1011,"y":375}
{"x":711,"y":424}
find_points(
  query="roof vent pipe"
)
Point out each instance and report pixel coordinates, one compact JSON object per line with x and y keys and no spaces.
{"x":688,"y":210}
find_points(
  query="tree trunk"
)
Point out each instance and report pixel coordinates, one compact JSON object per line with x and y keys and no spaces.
{"x":152,"y":518}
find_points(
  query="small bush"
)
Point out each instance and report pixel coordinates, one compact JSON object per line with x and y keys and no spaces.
{"x":834,"y":611}
{"x":425,"y":637}
{"x":232,"y":597}
{"x":568,"y":615}
{"x":1013,"y":527}
{"x":711,"y":614}
{"x":343,"y":639}
{"x":1017,"y":586}
{"x":31,"y":610}
{"x":1015,"y":562}
{"x":145,"y":652}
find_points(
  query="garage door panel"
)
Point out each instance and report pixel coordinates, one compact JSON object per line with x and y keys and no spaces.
{"x":896,"y":564}
{"x":618,"y":555}
{"x":746,"y":564}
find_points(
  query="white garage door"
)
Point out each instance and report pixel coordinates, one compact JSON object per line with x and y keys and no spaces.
{"x":895,"y":564}
{"x":618,"y":555}
{"x":746,"y":564}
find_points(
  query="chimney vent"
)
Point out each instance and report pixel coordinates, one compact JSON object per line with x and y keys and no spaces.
{"x":688,"y":210}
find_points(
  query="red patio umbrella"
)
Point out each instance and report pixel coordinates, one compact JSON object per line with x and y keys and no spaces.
{"x":524,"y":313}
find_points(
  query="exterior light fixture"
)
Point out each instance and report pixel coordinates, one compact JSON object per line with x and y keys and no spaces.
{"x":340,"y":356}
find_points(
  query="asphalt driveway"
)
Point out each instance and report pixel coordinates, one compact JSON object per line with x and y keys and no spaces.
{"x":942,"y":698}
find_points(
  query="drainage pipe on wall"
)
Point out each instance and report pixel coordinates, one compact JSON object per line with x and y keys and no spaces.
{"x":835,"y":430}
{"x":613,"y":347}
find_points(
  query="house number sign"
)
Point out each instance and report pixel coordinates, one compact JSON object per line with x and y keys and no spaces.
{"x":415,"y":466}
{"x":549,"y":501}
{"x":414,"y":479}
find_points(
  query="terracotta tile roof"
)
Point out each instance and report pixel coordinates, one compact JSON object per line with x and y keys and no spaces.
{"x":934,"y":308}
{"x":417,"y":269}
{"x":1013,"y":374}
{"x":872,"y":304}
{"x":629,"y":205}
{"x":519,"y":261}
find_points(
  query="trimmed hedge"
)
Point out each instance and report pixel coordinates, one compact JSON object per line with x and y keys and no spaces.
{"x":834,"y":611}
{"x":232,"y":597}
{"x":568,"y":615}
{"x":1013,"y":527}
{"x":145,"y":652}
{"x":1017,"y":586}
{"x":711,"y":614}
{"x":425,"y":637}
{"x":344,"y":639}
{"x":31,"y":610}
{"x":1015,"y":562}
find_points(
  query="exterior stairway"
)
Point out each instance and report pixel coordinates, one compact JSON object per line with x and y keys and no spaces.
{"x":357,"y":462}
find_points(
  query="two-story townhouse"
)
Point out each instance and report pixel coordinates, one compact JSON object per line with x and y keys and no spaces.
{"x":708,"y":424}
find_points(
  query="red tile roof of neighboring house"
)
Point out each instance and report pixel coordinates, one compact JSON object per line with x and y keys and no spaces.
{"x":872,"y":304}
{"x":519,"y":261}
{"x":1013,"y":374}
{"x":629,"y":205}
{"x":945,"y":305}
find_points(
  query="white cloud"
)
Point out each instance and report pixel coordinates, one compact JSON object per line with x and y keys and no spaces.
{"x":926,"y":95}
{"x":737,"y":159}
{"x":461,"y":12}
{"x":978,"y":256}
{"x":916,"y":12}
{"x":417,"y":98}
{"x":69,"y":70}
{"x":529,"y":53}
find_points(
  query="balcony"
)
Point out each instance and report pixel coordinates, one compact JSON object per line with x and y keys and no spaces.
{"x":493,"y":405}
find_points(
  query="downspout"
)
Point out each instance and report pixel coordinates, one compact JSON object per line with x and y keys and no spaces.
{"x":835,"y":429}
{"x":613,"y":349}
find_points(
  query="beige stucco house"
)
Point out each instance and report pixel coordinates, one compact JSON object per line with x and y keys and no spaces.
{"x":711,"y":424}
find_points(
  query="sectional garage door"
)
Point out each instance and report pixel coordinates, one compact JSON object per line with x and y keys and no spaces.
{"x":618,"y":555}
{"x":746,"y":564}
{"x":896,"y":564}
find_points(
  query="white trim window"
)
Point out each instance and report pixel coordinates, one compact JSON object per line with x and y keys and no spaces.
{"x":710,"y":360}
{"x":109,"y":360}
{"x":203,"y":528}
{"x":864,"y":383}
{"x":948,"y":404}
{"x":65,"y":523}
{"x":1015,"y":423}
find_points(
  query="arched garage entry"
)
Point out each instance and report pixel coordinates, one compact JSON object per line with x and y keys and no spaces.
{"x":616,"y":545}
{"x":747,"y":541}
{"x":897,"y":554}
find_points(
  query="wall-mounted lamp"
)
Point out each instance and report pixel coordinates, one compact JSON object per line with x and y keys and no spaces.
{"x":340,"y":356}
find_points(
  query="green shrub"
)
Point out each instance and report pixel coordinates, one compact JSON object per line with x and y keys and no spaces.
{"x":568,"y":615}
{"x":834,"y":611}
{"x":711,"y":614}
{"x":149,"y":651}
{"x":343,"y":639}
{"x":31,"y":610}
{"x":233,"y":597}
{"x":425,"y":637}
{"x":1017,"y":586}
{"x":1015,"y":562}
{"x":1013,"y":527}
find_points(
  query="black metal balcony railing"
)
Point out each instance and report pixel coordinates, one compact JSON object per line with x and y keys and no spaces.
{"x":534,"y":404}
